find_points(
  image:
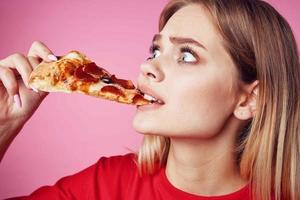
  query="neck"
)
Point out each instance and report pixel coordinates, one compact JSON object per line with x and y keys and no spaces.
{"x":204,"y":167}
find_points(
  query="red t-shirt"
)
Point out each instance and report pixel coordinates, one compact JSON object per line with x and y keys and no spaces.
{"x":117,"y":178}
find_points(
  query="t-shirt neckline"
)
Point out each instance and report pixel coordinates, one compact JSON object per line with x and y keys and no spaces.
{"x":242,"y":193}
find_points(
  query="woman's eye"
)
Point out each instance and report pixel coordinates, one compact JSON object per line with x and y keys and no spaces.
{"x":188,"y":57}
{"x":154,"y":54}
{"x":154,"y":51}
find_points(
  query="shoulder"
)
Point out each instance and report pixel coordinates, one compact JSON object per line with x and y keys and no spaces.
{"x":102,"y":179}
{"x":118,"y":161}
{"x":120,"y":166}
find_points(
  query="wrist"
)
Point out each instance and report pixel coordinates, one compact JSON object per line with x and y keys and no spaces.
{"x":8,"y":132}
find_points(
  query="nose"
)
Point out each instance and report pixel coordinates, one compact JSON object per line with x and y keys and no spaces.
{"x":152,"y":72}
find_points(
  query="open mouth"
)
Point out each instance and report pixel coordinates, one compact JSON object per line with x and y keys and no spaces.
{"x":152,"y":99}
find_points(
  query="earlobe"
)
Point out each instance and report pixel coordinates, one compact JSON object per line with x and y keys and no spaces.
{"x":244,"y":113}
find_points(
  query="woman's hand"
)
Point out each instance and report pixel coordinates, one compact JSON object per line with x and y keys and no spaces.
{"x":17,"y":100}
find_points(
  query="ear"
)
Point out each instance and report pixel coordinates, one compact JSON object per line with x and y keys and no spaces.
{"x":246,"y":106}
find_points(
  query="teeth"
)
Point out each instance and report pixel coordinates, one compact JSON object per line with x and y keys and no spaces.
{"x":152,"y":99}
{"x":149,"y":98}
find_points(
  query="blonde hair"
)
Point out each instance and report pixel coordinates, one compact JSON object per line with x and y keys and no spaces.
{"x":263,"y":48}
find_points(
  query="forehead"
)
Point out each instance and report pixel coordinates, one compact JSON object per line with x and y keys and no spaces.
{"x":195,"y":22}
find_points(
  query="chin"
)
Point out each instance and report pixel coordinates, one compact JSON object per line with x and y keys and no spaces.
{"x":140,"y":126}
{"x":143,"y":126}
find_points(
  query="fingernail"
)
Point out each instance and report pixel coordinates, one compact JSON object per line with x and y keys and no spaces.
{"x":52,"y":57}
{"x":17,"y":100}
{"x":35,"y":90}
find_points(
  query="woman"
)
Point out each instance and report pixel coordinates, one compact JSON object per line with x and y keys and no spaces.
{"x":228,"y":75}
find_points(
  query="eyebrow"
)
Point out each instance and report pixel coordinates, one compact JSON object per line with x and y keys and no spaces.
{"x":179,"y":40}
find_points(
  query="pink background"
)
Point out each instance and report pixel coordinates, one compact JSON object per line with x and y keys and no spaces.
{"x":70,"y":132}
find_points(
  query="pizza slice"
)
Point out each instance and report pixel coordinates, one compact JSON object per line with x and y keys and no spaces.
{"x":74,"y":72}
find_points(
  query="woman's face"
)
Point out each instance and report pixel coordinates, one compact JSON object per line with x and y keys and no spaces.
{"x":190,"y":71}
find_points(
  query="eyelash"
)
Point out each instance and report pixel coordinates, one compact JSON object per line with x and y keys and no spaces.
{"x":183,"y":49}
{"x":190,"y":50}
{"x":152,"y":49}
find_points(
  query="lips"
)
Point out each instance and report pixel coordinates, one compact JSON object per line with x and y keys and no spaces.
{"x":150,"y":95}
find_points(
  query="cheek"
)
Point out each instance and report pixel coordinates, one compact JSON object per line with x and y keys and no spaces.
{"x":200,"y":107}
